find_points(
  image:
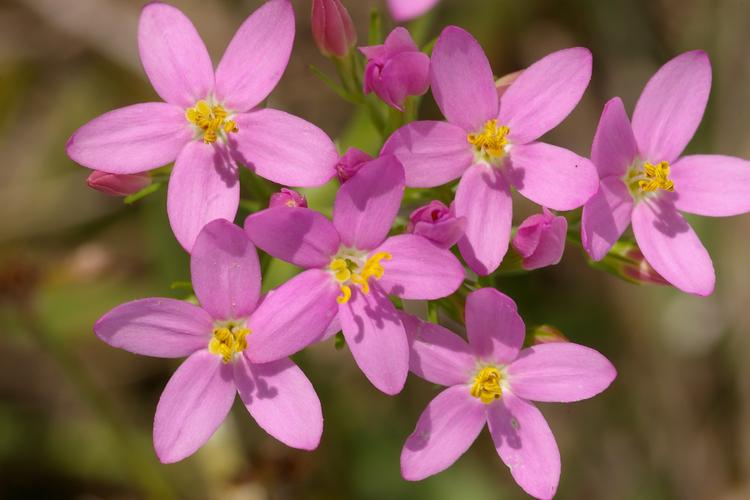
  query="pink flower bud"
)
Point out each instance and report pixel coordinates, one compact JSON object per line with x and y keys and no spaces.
{"x":546,"y":334}
{"x":350,"y":163}
{"x":287,"y":198}
{"x":540,"y":240}
{"x":118,"y":185}
{"x":504,"y":82}
{"x":438,"y":223}
{"x":332,"y":28}
{"x":639,"y":270}
{"x":396,"y":69}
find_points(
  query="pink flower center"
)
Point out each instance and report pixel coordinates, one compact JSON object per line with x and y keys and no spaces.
{"x":228,"y":339}
{"x":491,"y":143}
{"x":211,"y":120}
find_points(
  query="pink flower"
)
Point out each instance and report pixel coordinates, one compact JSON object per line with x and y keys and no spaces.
{"x":406,"y":10}
{"x":540,"y":240}
{"x":644,"y":179}
{"x":216,"y":337}
{"x":117,"y":185}
{"x":437,"y":223}
{"x":491,"y":380}
{"x":209,"y":121}
{"x":490,"y":141}
{"x":350,"y":163}
{"x":396,"y":69}
{"x":287,"y":198}
{"x":332,"y":27}
{"x":352,"y":266}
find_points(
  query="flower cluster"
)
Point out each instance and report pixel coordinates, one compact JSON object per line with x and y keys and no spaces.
{"x":359,"y":266}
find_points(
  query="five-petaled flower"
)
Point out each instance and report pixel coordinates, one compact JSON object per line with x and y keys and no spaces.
{"x":490,"y":141}
{"x":645,"y":181}
{"x":491,"y":380}
{"x":209,"y":121}
{"x":217,"y":337}
{"x":352,"y":266}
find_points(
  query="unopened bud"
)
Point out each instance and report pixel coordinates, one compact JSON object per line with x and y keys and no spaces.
{"x":332,"y":28}
{"x":504,"y":82}
{"x":540,"y":240}
{"x":350,"y":163}
{"x":287,"y":198}
{"x":438,"y":223}
{"x":546,"y":334}
{"x":118,"y":184}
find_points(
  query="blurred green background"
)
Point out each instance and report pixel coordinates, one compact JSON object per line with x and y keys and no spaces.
{"x":75,"y":414}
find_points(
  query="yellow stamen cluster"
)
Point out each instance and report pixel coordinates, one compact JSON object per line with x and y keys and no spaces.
{"x":486,"y":385}
{"x":491,"y":141}
{"x":212,"y":120}
{"x":347,"y":272}
{"x":228,"y":340}
{"x":656,"y":177}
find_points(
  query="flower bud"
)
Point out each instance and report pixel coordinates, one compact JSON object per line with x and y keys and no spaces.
{"x":287,"y":198}
{"x":350,"y":163}
{"x":332,"y":28}
{"x":504,"y":82}
{"x":546,"y":334}
{"x":116,"y":184}
{"x":396,"y":69}
{"x":626,"y":261}
{"x":540,"y":240}
{"x":438,"y":223}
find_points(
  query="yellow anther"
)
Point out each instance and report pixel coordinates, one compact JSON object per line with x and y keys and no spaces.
{"x":346,"y":294}
{"x":486,"y":385}
{"x":347,"y":271}
{"x":657,"y":177}
{"x":228,"y":340}
{"x":491,"y":141}
{"x":211,"y":120}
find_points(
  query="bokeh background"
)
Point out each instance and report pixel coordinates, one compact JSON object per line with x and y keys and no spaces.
{"x":75,"y":414}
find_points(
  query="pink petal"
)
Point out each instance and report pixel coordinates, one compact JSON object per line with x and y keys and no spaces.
{"x":256,"y":57}
{"x":445,"y":430}
{"x":605,"y":217}
{"x":403,"y":75}
{"x":301,"y":236}
{"x":462,"y":81}
{"x":418,"y":269}
{"x":174,"y":56}
{"x":165,"y":328}
{"x":553,"y":177}
{"x":614,"y":148}
{"x":204,"y":186}
{"x":545,"y":94}
{"x":483,"y":199}
{"x":494,"y":328}
{"x":332,"y":329}
{"x":712,"y":185}
{"x":282,"y":400}
{"x":406,"y":10}
{"x":432,"y":153}
{"x":292,"y":317}
{"x":436,"y":354}
{"x":131,"y":139}
{"x":283,"y":148}
{"x":672,"y":248}
{"x":376,"y":338}
{"x":194,"y":403}
{"x":367,"y":204}
{"x":671,"y":106}
{"x":525,"y":444}
{"x":560,"y":372}
{"x":225,"y":271}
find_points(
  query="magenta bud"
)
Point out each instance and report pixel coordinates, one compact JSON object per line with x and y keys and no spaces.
{"x":438,"y":223}
{"x":396,"y":69}
{"x":117,"y":184}
{"x":350,"y":163}
{"x":332,"y":28}
{"x":540,"y":240}
{"x":287,"y":198}
{"x":546,"y":334}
